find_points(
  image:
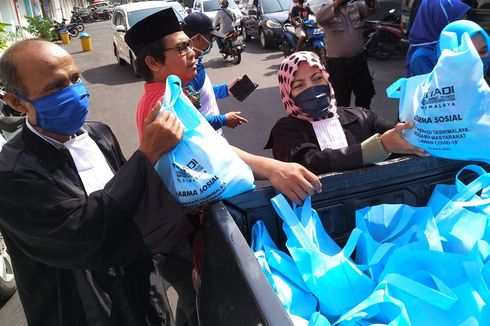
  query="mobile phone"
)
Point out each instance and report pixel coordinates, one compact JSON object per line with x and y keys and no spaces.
{"x":243,"y":88}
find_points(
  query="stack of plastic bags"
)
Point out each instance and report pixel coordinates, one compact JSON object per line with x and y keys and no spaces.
{"x":413,"y":266}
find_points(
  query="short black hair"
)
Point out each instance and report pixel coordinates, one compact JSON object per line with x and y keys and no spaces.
{"x":155,"y":50}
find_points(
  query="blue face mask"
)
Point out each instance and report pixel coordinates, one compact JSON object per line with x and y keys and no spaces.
{"x":486,"y":64}
{"x":63,"y":112}
{"x":314,"y":101}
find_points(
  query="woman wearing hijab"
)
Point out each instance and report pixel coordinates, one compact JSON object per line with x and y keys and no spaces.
{"x":432,"y":16}
{"x":321,"y":136}
{"x":479,"y":37}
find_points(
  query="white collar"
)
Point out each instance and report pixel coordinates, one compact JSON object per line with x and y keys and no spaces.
{"x":50,"y":140}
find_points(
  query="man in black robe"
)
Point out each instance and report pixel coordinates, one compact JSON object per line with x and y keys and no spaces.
{"x":80,"y":222}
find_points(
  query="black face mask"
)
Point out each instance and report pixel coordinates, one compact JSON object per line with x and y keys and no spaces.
{"x":314,"y":101}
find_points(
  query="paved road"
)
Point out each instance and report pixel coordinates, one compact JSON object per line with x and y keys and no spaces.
{"x":114,"y":92}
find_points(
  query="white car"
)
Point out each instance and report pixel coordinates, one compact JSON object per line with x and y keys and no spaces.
{"x":125,"y":16}
{"x":211,"y":7}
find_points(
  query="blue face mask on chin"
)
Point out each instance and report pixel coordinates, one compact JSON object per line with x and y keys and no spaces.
{"x":208,"y":49}
{"x":314,"y":101}
{"x":63,"y":112}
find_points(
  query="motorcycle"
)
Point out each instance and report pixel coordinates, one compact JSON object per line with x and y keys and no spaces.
{"x":384,"y":38}
{"x":101,"y":15}
{"x":233,"y":47}
{"x":72,"y":29}
{"x":81,"y":17}
{"x":315,"y":39}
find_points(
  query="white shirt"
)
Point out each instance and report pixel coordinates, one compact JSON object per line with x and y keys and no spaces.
{"x":329,"y":133}
{"x":92,"y":167}
{"x":209,"y":106}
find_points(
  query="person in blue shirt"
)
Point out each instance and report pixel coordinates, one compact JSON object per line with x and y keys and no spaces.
{"x":431,"y":17}
{"x":199,"y":28}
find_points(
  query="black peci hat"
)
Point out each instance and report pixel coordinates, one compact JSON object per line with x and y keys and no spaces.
{"x":152,"y":28}
{"x":198,"y":23}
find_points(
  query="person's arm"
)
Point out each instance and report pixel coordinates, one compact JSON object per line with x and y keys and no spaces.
{"x":220,"y":90}
{"x":291,"y":179}
{"x":393,"y":140}
{"x":310,"y":12}
{"x":217,"y":121}
{"x":327,"y":12}
{"x":216,"y":21}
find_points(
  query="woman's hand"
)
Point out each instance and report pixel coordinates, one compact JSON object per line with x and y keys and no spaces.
{"x":393,"y":141}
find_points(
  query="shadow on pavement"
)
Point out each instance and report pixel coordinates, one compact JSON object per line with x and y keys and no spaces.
{"x":111,"y":74}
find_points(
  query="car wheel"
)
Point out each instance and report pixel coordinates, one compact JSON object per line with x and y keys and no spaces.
{"x":133,"y":65}
{"x":120,"y":61}
{"x":265,"y":43}
{"x":246,"y":36}
{"x":7,"y":280}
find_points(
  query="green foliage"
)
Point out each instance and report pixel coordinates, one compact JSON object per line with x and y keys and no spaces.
{"x":5,"y":35}
{"x":40,"y":27}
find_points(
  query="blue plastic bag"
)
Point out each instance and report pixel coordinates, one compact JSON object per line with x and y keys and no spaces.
{"x":329,"y":273}
{"x":439,"y":288}
{"x":462,"y":215}
{"x":283,"y":275}
{"x":389,"y":227}
{"x":202,"y":167}
{"x":380,"y":308}
{"x":450,"y":106}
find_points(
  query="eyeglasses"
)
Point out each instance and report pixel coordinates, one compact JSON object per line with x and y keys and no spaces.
{"x":182,"y":48}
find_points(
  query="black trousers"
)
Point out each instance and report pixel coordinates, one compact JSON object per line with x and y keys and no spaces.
{"x":351,"y":75}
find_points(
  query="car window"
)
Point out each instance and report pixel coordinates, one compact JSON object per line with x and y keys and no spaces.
{"x":275,"y":6}
{"x":137,"y":15}
{"x":211,"y":5}
{"x":119,"y":19}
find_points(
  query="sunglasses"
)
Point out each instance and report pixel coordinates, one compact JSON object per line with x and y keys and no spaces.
{"x":182,"y":48}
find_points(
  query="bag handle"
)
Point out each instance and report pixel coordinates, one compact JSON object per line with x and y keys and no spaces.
{"x":379,"y":297}
{"x":461,"y":198}
{"x":186,"y":112}
{"x":442,"y":297}
{"x":394,"y":90}
{"x":287,"y":214}
{"x":471,"y":167}
{"x":261,"y":239}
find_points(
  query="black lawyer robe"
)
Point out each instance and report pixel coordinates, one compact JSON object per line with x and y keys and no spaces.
{"x":86,"y":260}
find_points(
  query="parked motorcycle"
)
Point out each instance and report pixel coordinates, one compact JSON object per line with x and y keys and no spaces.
{"x":384,"y":38}
{"x":72,"y":29}
{"x":81,"y":17}
{"x":101,"y":15}
{"x":233,"y":47}
{"x":315,"y":39}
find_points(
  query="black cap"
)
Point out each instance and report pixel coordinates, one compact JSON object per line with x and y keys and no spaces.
{"x":198,"y":23}
{"x":152,"y":28}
